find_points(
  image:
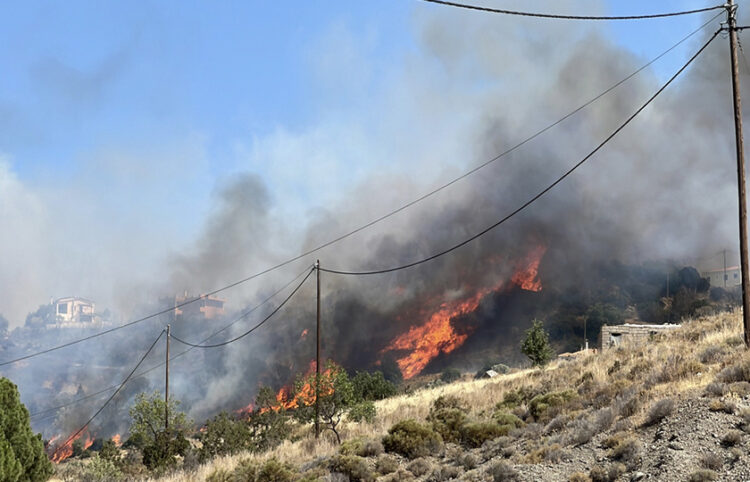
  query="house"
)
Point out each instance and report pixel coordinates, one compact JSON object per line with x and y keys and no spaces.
{"x":612,"y":336}
{"x":717,"y":277}
{"x":206,"y":307}
{"x":73,"y":311}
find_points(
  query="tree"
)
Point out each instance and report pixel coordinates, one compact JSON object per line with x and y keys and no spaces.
{"x":22,"y":456}
{"x":147,"y":428}
{"x":269,"y":421}
{"x":224,"y":434}
{"x":535,"y":344}
{"x":336,"y":397}
{"x":372,"y":386}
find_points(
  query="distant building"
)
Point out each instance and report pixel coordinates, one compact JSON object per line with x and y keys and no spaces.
{"x":718,"y":276}
{"x":73,"y":311}
{"x":612,"y":336}
{"x":206,"y":307}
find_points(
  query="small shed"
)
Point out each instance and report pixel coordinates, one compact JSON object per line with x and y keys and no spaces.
{"x":615,"y":335}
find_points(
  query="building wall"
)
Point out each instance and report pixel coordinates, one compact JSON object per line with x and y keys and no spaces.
{"x":612,"y":336}
{"x":716,"y":277}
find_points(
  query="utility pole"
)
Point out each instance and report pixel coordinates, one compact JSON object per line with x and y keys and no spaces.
{"x":317,"y":354}
{"x":732,"y":26}
{"x":725,"y":269}
{"x":166,"y":388}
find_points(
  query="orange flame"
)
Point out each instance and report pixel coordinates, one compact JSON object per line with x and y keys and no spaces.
{"x":437,"y":335}
{"x":304,"y":333}
{"x":527,"y":271}
{"x":66,"y":450}
{"x":116,"y":439}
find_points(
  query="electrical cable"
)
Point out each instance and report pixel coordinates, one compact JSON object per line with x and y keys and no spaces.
{"x":538,"y":195}
{"x":142,"y":374}
{"x":258,"y":325}
{"x":571,"y":17}
{"x":371,"y":223}
{"x":78,"y":432}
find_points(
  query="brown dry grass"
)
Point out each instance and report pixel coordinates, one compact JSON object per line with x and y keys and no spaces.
{"x":668,"y":367}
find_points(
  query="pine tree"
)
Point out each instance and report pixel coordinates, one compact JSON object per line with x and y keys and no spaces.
{"x":536,"y":344}
{"x":22,"y":456}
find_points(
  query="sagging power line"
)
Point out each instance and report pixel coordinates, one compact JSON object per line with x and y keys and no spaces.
{"x":572,"y":17}
{"x":535,"y":197}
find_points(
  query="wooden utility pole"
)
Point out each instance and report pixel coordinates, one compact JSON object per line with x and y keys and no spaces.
{"x":725,"y":269}
{"x":166,"y":388}
{"x":732,"y":26}
{"x":317,"y":354}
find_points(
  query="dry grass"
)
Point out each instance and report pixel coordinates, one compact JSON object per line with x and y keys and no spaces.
{"x":665,"y":368}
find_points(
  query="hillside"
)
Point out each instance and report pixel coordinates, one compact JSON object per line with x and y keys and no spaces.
{"x":676,"y":409}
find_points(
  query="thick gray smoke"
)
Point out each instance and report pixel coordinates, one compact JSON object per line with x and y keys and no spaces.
{"x":477,"y":84}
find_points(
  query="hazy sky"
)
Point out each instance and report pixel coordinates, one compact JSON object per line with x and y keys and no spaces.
{"x":120,"y":121}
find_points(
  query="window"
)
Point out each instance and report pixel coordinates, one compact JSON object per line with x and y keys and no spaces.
{"x":62,"y":308}
{"x":735,"y":275}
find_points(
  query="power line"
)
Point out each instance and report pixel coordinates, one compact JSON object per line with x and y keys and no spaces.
{"x":572,"y":17}
{"x":78,"y":432}
{"x":142,"y":374}
{"x":374,"y":221}
{"x":254,"y":327}
{"x":540,"y":194}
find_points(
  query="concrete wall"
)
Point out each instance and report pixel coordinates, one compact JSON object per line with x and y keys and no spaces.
{"x":611,"y":336}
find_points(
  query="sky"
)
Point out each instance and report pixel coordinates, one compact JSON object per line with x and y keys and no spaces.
{"x":121,"y":122}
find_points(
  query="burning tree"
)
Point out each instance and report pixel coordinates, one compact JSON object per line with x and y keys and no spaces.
{"x":22,"y":454}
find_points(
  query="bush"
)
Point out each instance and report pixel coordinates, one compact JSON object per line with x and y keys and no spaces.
{"x":412,"y":439}
{"x":245,"y":471}
{"x":419,"y":467}
{"x":628,"y":451}
{"x":353,"y":466}
{"x":224,"y":434}
{"x":362,"y":412}
{"x":731,"y":438}
{"x":164,"y":449}
{"x":703,"y":475}
{"x":506,"y":418}
{"x":269,"y":425}
{"x":100,"y":470}
{"x":503,"y":472}
{"x":363,"y":448}
{"x":712,"y":461}
{"x":274,"y":471}
{"x":22,"y":455}
{"x":579,"y":477}
{"x":609,"y":474}
{"x":372,"y":386}
{"x":474,"y":434}
{"x":447,"y":416}
{"x":450,"y":375}
{"x":739,"y":372}
{"x":716,"y":389}
{"x":386,"y":464}
{"x":712,"y":354}
{"x":542,"y":403}
{"x":659,"y":411}
{"x":535,"y":344}
{"x":220,"y":475}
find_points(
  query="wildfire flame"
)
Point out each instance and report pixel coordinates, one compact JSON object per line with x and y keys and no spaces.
{"x":66,"y":450}
{"x":527,"y":272}
{"x":117,"y":439}
{"x":304,"y":333}
{"x":437,"y":335}
{"x":306,"y":395}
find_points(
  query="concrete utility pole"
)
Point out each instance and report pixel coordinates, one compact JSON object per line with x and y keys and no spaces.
{"x":732,"y":27}
{"x":166,"y":388}
{"x":317,"y":355}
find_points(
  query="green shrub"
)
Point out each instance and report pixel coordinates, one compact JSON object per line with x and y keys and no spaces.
{"x":412,"y":439}
{"x":712,"y":461}
{"x":386,"y":464}
{"x":372,"y":386}
{"x":22,"y":454}
{"x":542,"y":403}
{"x":274,"y":471}
{"x":450,"y":375}
{"x":419,"y":467}
{"x":627,"y":451}
{"x":448,"y":422}
{"x":474,"y":434}
{"x":362,"y":412}
{"x":608,"y":474}
{"x":245,"y":471}
{"x":503,"y":417}
{"x":100,"y":470}
{"x":579,"y":477}
{"x":224,"y":434}
{"x":353,"y":466}
{"x":220,"y":475}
